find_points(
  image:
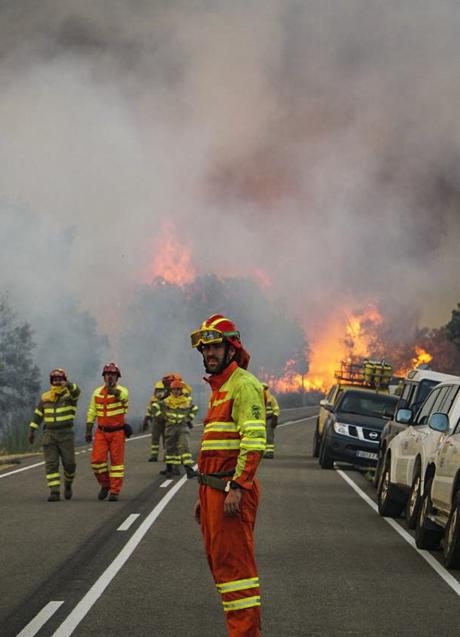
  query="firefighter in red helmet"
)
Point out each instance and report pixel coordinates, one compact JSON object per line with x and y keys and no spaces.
{"x":231,"y":448}
{"x":108,"y":406}
{"x":56,"y":410}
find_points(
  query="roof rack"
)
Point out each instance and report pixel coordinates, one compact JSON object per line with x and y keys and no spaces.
{"x":367,"y":373}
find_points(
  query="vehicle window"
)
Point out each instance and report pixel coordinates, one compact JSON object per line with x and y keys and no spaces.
{"x":425,"y":409}
{"x":457,"y":428}
{"x":407,"y":391}
{"x":423,"y":389}
{"x":448,"y":400}
{"x":368,"y":404}
{"x":330,"y":394}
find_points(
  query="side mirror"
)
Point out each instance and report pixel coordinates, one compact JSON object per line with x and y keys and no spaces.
{"x":439,"y":422}
{"x":323,"y":402}
{"x":404,"y":416}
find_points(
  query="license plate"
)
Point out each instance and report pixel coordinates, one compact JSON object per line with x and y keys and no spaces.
{"x":367,"y":454}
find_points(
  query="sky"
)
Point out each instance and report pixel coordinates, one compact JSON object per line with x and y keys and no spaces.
{"x":317,"y":142}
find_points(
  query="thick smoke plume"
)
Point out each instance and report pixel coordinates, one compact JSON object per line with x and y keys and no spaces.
{"x":315,"y":141}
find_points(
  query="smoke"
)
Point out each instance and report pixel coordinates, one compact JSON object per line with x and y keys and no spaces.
{"x":317,"y":141}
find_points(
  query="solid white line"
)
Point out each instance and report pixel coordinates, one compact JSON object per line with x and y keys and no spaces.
{"x":127,"y":523}
{"x":82,"y":608}
{"x":39,"y":620}
{"x":165,"y":484}
{"x":31,"y":466}
{"x":435,"y":565}
{"x":293,"y":422}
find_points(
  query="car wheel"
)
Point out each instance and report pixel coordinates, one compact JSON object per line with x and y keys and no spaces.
{"x":389,"y":498}
{"x":414,"y":501}
{"x":316,"y":442}
{"x":427,"y":533}
{"x":452,"y":536}
{"x":326,"y":459}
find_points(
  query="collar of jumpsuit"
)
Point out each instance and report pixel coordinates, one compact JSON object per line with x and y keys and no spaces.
{"x":217,"y":380}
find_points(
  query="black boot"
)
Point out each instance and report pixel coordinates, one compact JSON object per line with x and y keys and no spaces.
{"x":113,"y":497}
{"x":103,"y":493}
{"x":54,"y":496}
{"x":153,"y":459}
{"x":190,"y":471}
{"x":176,"y":471}
{"x":167,"y":471}
{"x":68,"y":491}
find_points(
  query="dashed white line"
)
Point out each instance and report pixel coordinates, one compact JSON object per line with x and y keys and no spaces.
{"x":128,"y":522}
{"x":82,"y":608}
{"x":435,"y":565}
{"x":165,"y":484}
{"x":39,"y":620}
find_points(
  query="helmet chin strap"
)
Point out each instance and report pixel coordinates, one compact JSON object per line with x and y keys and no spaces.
{"x":225,"y":362}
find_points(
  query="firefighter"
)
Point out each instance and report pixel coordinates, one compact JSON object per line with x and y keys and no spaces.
{"x":108,"y":405}
{"x":57,"y":409}
{"x":232,"y":445}
{"x":272,"y":412}
{"x":178,"y":412}
{"x":158,"y":426}
{"x":168,"y":379}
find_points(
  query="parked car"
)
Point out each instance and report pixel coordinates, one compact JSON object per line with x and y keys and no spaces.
{"x":439,"y":515}
{"x":373,"y":376}
{"x":353,"y":426}
{"x":401,"y":484}
{"x":414,"y":389}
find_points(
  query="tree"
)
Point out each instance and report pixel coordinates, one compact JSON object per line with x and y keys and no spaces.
{"x":19,"y":376}
{"x":453,"y":327}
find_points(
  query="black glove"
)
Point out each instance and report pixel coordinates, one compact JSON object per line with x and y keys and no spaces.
{"x":190,"y":425}
{"x":113,"y":391}
{"x":128,"y":430}
{"x":146,"y":423}
{"x":69,"y":385}
{"x":88,"y":437}
{"x":31,"y":436}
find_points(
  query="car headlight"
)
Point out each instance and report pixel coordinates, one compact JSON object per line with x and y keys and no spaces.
{"x":341,"y":429}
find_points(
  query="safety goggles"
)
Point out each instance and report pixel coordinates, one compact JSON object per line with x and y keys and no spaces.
{"x":53,"y":379}
{"x":206,"y":337}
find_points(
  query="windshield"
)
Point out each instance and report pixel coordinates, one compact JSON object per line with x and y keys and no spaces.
{"x":368,"y":404}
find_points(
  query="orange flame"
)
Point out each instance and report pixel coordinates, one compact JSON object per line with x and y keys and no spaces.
{"x":422,"y":358}
{"x":173,"y":259}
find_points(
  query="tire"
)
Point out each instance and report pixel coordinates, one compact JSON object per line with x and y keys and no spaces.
{"x":451,"y":548}
{"x":414,"y":500}
{"x":316,"y":442}
{"x":427,"y":534}
{"x":326,"y":459}
{"x":390,"y":500}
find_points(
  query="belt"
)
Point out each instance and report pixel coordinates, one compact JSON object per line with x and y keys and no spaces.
{"x":214,"y":479}
{"x":109,"y":429}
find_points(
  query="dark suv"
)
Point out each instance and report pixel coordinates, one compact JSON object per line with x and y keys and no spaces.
{"x":353,"y":427}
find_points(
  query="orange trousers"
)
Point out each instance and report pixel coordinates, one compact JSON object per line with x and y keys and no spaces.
{"x":107,"y":444}
{"x":229,"y":545}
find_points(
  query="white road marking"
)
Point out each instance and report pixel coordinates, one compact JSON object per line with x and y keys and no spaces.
{"x":39,"y":620}
{"x":293,"y":422}
{"x":435,"y":565}
{"x":31,"y":466}
{"x":127,"y":523}
{"x":83,"y":607}
{"x":165,"y":484}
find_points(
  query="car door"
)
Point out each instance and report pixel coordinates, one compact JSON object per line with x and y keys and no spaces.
{"x":447,"y":458}
{"x":409,"y":439}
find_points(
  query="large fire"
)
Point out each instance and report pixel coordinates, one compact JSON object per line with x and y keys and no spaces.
{"x":172,"y":261}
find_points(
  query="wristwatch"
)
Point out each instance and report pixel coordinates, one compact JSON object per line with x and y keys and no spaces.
{"x":231,"y":484}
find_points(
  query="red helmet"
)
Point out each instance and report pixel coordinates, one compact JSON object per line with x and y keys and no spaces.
{"x":111,"y":368}
{"x":57,"y":373}
{"x":217,"y":329}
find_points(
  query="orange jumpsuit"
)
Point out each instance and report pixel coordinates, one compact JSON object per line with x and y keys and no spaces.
{"x":109,"y":439}
{"x":233,"y":443}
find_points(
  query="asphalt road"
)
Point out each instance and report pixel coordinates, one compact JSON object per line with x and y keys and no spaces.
{"x":329,"y":565}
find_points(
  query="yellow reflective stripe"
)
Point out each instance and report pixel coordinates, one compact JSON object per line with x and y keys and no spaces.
{"x":116,"y":474}
{"x":39,"y":413}
{"x":33,"y":425}
{"x":54,"y":483}
{"x":52,"y":475}
{"x":239,"y":604}
{"x":220,"y":426}
{"x":102,"y":470}
{"x":251,"y":429}
{"x":101,"y":465}
{"x":52,"y":410}
{"x":116,"y":467}
{"x":253,"y":443}
{"x":208,"y":445}
{"x":237,"y":585}
{"x":69,"y":417}
{"x":253,"y":422}
{"x":111,"y":412}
